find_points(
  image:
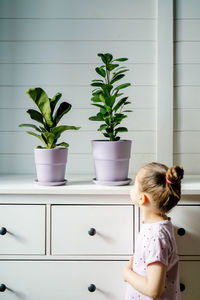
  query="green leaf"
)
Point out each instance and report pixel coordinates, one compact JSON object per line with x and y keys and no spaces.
{"x":50,"y":138}
{"x":103,"y":109}
{"x":103,"y":58}
{"x":107,"y":121}
{"x":35,"y":115}
{"x":32,"y":126}
{"x":119,"y":117}
{"x":102,"y":127}
{"x":120,"y":103}
{"x":109,"y":130}
{"x":108,"y":57}
{"x":60,"y":129}
{"x":127,"y":110}
{"x":63,"y":144}
{"x":99,"y":105}
{"x":96,"y":84}
{"x":107,"y":89}
{"x":117,"y":77}
{"x":61,"y":111}
{"x":121,"y":129}
{"x":95,"y":99}
{"x":119,"y":94}
{"x":106,"y":114}
{"x":120,"y":72}
{"x":41,"y":99}
{"x":121,"y":59}
{"x":113,"y":99}
{"x":97,"y":80}
{"x":122,"y":86}
{"x":54,"y":101}
{"x":106,"y":135}
{"x":101,"y":97}
{"x":121,"y":67}
{"x":98,"y":117}
{"x":111,"y":67}
{"x":101,"y":72}
{"x":94,"y":118}
{"x":42,"y":129}
{"x":96,"y":92}
{"x":44,"y":138}
{"x":38,"y":136}
{"x":110,"y":100}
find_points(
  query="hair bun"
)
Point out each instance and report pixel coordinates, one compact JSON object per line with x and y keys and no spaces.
{"x":175,"y":174}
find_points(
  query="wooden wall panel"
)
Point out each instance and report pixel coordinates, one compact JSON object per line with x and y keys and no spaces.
{"x":54,"y":44}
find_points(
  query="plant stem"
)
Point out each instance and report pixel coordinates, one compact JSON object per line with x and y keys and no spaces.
{"x":107,"y":75}
{"x":110,"y":112}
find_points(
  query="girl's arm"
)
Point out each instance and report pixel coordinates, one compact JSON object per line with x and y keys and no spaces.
{"x":153,"y":284}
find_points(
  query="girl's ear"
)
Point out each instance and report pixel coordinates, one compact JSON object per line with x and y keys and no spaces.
{"x":143,"y":199}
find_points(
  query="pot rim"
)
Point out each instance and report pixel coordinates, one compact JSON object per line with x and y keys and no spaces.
{"x":112,"y":141}
{"x":58,"y":148}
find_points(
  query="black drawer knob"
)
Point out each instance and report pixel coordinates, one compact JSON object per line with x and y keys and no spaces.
{"x":182,"y":287}
{"x":91,"y":288}
{"x":3,"y":230}
{"x":92,"y":231}
{"x":181,"y":231}
{"x":2,"y":287}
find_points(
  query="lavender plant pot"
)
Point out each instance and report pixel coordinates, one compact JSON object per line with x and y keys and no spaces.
{"x":51,"y":165}
{"x":111,"y":160}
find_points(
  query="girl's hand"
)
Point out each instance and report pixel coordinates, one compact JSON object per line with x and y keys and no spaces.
{"x":127,"y":268}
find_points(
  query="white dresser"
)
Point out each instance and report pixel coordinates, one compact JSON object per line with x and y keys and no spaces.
{"x":72,"y":242}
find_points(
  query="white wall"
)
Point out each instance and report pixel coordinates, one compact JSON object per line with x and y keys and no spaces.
{"x":187,"y":85}
{"x":54,"y":44}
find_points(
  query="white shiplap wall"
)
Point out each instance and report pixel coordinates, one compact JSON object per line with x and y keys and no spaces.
{"x":187,"y":85}
{"x":54,"y":44}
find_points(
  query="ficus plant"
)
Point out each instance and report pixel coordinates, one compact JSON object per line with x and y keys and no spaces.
{"x":48,"y":118}
{"x":108,"y":96}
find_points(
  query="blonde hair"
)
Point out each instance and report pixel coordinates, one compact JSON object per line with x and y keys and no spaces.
{"x":163,"y":184}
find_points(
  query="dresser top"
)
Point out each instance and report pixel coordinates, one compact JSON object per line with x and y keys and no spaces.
{"x":24,"y":184}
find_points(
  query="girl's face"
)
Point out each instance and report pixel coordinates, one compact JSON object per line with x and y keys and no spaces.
{"x":135,"y":193}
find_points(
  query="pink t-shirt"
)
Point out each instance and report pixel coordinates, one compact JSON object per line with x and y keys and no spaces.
{"x":156,"y":242}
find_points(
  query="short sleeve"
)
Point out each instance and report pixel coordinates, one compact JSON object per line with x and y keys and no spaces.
{"x":157,"y":250}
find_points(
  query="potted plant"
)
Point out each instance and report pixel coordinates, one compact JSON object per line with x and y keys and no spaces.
{"x":112,"y":155}
{"x":51,"y":157}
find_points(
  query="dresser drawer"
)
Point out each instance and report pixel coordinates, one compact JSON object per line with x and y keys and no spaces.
{"x":186,"y":228}
{"x":189,"y":278}
{"x":110,"y":226}
{"x":62,"y":280}
{"x":25,"y":225}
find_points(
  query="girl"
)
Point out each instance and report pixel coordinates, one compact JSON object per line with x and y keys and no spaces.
{"x":153,"y":271}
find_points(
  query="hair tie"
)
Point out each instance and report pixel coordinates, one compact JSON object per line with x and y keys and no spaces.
{"x":168,"y":181}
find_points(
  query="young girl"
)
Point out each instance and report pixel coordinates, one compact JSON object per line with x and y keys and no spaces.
{"x":153,"y":271}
